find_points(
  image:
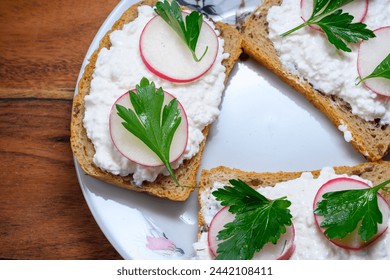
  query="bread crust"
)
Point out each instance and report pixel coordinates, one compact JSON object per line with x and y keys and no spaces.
{"x":369,"y":138}
{"x":83,"y":148}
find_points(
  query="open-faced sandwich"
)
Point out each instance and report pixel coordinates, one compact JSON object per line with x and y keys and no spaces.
{"x":333,"y":213}
{"x":148,"y":96}
{"x":337,"y":55}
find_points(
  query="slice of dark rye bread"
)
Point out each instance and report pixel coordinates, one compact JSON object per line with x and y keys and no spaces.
{"x":369,"y":138}
{"x":376,"y":172}
{"x":83,"y":148}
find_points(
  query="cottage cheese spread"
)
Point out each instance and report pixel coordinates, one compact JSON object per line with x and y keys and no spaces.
{"x":308,"y":54}
{"x":310,"y":242}
{"x":120,"y":69}
{"x":344,"y":129}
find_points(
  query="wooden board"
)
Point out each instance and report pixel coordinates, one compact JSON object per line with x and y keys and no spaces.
{"x":43,"y":214}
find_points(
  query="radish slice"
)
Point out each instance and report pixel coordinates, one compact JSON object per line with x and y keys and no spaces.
{"x":133,"y":148}
{"x":166,"y":55}
{"x":371,"y":53}
{"x":358,"y":9}
{"x":282,"y":250}
{"x":352,"y":241}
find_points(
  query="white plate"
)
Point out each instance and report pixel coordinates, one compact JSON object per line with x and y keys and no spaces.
{"x":264,"y":125}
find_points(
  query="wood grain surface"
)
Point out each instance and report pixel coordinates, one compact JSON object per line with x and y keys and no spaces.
{"x":43,"y":214}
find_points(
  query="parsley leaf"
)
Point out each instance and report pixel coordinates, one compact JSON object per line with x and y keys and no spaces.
{"x":147,"y":123}
{"x":381,"y":71}
{"x":257,"y":222}
{"x":188,"y":32}
{"x":327,"y":6}
{"x":344,"y":210}
{"x":337,"y":25}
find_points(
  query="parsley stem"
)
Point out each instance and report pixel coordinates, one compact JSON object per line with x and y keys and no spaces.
{"x":380,"y":186}
{"x":359,"y":80}
{"x":173,"y":176}
{"x":165,"y":160}
{"x":199,"y":59}
{"x":296,"y":28}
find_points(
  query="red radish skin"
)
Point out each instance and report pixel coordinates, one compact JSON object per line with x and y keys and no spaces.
{"x":357,"y":8}
{"x":222,"y":217}
{"x":370,"y":54}
{"x":176,"y":66}
{"x":353,"y":240}
{"x":134,"y":149}
{"x":283,"y":250}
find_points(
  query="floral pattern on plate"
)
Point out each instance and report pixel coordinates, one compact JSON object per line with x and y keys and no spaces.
{"x":158,"y":242}
{"x":233,"y":12}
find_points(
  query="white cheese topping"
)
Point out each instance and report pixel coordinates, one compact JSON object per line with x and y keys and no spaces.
{"x":347,"y":134}
{"x":309,"y":241}
{"x":120,"y":69}
{"x":308,"y":54}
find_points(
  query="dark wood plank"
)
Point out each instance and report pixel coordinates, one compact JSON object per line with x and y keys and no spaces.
{"x":43,"y":44}
{"x":43,"y":214}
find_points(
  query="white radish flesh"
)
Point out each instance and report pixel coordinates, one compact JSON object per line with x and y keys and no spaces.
{"x":282,"y":250}
{"x":133,"y":148}
{"x":358,"y":9}
{"x":166,"y":55}
{"x":352,"y":241}
{"x":371,"y":53}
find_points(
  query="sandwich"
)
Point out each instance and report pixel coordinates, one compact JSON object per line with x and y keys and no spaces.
{"x":325,"y":75}
{"x":303,"y":238}
{"x":90,"y":130}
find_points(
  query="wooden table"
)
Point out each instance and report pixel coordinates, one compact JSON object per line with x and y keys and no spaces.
{"x":43,"y":214}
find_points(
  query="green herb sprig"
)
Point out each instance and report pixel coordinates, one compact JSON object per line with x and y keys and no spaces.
{"x":381,"y":71}
{"x":343,"y":210}
{"x":188,"y":31}
{"x":150,"y":122}
{"x":257,"y":222}
{"x":336,"y":24}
